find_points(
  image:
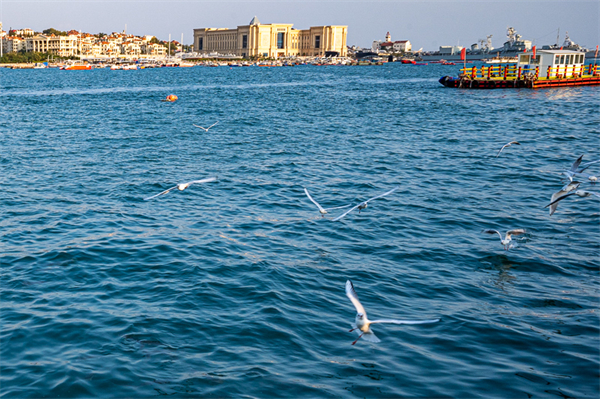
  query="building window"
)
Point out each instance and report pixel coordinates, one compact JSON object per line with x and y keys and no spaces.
{"x":200,"y":43}
{"x":244,"y":41}
{"x":280,"y":39}
{"x":317,"y":41}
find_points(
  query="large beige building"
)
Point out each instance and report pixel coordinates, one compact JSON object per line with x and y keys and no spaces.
{"x":63,"y":46}
{"x":272,"y":40}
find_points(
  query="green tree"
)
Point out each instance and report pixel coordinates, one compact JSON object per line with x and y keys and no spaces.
{"x":52,"y":31}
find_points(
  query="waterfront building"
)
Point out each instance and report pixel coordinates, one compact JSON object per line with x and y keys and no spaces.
{"x":272,"y":40}
{"x":399,"y":46}
{"x":130,"y":48}
{"x":154,"y":49}
{"x":63,"y":46}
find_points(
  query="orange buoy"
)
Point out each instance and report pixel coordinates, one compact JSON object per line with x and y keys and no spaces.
{"x":171,"y":97}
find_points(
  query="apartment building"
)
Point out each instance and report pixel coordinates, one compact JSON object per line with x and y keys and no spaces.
{"x":13,"y":44}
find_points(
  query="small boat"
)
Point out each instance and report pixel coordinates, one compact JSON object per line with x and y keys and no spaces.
{"x":76,"y":67}
{"x":448,"y":63}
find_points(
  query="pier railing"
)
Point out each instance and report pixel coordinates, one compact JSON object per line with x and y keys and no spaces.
{"x":511,"y":72}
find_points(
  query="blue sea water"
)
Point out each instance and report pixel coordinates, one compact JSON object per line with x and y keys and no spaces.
{"x":236,"y":288}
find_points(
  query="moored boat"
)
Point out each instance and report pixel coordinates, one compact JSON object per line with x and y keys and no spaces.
{"x":547,"y":68}
{"x":76,"y":67}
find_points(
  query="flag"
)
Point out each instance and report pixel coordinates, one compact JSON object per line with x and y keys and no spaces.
{"x":533,"y":48}
{"x":463,"y":54}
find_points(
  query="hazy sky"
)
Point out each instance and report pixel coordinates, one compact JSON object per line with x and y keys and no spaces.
{"x":427,"y":24}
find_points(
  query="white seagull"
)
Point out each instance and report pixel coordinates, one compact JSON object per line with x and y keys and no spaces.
{"x":567,"y":188}
{"x":507,"y":239}
{"x":363,"y":205}
{"x":507,"y":145}
{"x":579,"y":193}
{"x":321,"y":209}
{"x":206,"y":128}
{"x":183,"y":186}
{"x":362,"y":324}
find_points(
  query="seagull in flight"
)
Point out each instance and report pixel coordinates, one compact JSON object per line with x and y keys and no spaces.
{"x":507,"y":239}
{"x":579,"y":193}
{"x":567,"y":188}
{"x":362,"y":325}
{"x":183,"y":186}
{"x":507,"y":145}
{"x":364,"y":204}
{"x":321,"y":209}
{"x":206,"y":128}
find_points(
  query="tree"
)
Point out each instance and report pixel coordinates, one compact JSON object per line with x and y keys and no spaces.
{"x":52,"y":31}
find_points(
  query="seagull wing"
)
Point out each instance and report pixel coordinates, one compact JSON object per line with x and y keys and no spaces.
{"x":212,"y":125}
{"x":515,"y":142}
{"x":594,"y":193}
{"x":345,"y":213}
{"x":207,"y":180}
{"x":515,"y":232}
{"x":492,"y":232}
{"x":586,"y":165}
{"x":553,"y":200}
{"x":405,"y":321}
{"x":203,"y":128}
{"x":313,"y":201}
{"x":503,"y":147}
{"x":576,"y":164}
{"x":559,"y":199}
{"x":159,"y":194}
{"x":384,"y":194}
{"x":351,"y":294}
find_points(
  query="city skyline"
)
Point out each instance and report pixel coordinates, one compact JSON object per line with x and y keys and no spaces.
{"x":427,"y":25}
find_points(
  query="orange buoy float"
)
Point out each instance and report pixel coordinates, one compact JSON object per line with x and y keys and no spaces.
{"x":171,"y":97}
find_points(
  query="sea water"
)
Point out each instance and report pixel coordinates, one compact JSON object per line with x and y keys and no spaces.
{"x":236,"y":288}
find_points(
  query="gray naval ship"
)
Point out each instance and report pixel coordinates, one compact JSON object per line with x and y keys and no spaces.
{"x":483,"y":50}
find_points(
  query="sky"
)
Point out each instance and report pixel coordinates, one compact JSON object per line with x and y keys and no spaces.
{"x":426,"y":24}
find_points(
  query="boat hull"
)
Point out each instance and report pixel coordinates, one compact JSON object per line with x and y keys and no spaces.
{"x":449,"y":81}
{"x":77,"y":68}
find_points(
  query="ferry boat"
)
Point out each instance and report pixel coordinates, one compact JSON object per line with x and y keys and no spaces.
{"x":546,"y":68}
